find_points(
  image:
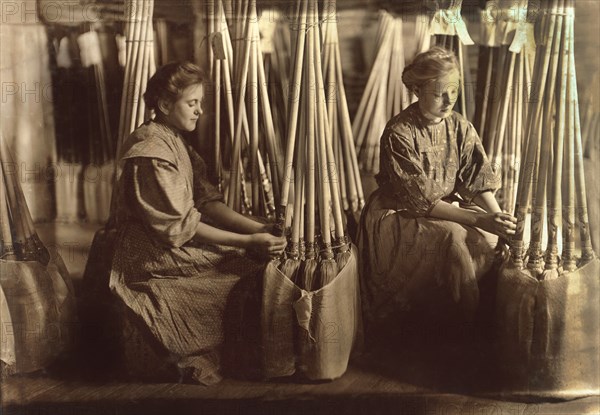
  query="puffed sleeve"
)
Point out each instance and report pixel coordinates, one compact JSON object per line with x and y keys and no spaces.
{"x":475,"y":174}
{"x":204,"y":191}
{"x":162,"y":200}
{"x":402,"y":175}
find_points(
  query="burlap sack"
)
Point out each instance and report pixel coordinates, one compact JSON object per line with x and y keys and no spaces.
{"x":548,"y":333}
{"x":312,"y":332}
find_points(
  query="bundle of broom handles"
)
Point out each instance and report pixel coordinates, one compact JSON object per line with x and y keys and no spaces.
{"x":552,"y":171}
{"x":312,"y":257}
{"x":20,"y":240}
{"x":384,"y":96}
{"x":245,"y":66}
{"x":140,"y":66}
{"x":351,"y":189}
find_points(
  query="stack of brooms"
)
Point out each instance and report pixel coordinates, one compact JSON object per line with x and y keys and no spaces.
{"x":243,"y":66}
{"x":310,"y":315}
{"x":351,"y":189}
{"x":99,"y":310}
{"x":450,"y":32}
{"x":37,"y":303}
{"x":385,"y":95}
{"x":547,"y":300}
{"x":502,"y":84}
{"x":276,"y":43}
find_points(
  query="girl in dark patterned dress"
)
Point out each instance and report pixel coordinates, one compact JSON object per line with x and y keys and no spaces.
{"x":173,"y":270}
{"x":419,"y":250}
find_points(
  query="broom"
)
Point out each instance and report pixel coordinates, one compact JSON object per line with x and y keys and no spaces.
{"x":541,"y":178}
{"x":293,"y":117}
{"x":329,"y":268}
{"x":534,"y":116}
{"x":308,"y":275}
{"x":568,"y":183}
{"x":551,"y":266}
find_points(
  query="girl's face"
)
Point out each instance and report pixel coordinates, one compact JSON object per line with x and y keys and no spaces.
{"x":185,"y":111}
{"x":437,"y":97}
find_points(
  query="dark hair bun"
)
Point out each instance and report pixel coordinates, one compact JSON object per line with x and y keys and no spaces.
{"x":170,"y":80}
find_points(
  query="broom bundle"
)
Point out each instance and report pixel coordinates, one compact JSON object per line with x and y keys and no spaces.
{"x":339,"y":118}
{"x":504,"y":74}
{"x":450,"y":32}
{"x":552,"y":178}
{"x":255,"y":152}
{"x":384,"y":96}
{"x":314,"y":220}
{"x":139,"y":67}
{"x":20,"y":241}
{"x":36,"y":291}
{"x":276,"y":45}
{"x":316,"y":283}
{"x":546,"y":313}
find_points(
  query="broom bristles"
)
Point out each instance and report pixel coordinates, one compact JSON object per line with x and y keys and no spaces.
{"x":328,"y":271}
{"x":308,"y":274}
{"x":289,"y":267}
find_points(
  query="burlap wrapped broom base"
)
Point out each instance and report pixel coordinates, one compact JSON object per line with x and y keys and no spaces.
{"x":310,"y":332}
{"x":548,"y":332}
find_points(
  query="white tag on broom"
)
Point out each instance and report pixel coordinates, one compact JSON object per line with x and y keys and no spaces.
{"x":218,"y":45}
{"x":89,"y":47}
{"x":450,"y":22}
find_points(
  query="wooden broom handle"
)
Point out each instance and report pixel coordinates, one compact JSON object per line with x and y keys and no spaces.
{"x":293,"y":116}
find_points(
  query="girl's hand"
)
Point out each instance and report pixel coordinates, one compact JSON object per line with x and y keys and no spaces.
{"x":501,"y":224}
{"x":266,"y":245}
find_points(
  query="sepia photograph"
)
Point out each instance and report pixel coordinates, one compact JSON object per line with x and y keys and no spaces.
{"x":300,"y":207}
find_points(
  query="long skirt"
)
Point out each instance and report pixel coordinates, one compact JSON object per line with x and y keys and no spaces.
{"x":412,"y":263}
{"x":180,"y":296}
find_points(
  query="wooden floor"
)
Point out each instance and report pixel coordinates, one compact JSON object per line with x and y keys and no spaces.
{"x":413,"y":385}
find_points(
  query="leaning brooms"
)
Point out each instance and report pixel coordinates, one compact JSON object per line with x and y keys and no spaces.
{"x":351,"y":189}
{"x":37,"y":301}
{"x":243,"y":66}
{"x":547,"y":309}
{"x":384,"y":96}
{"x":502,"y":92}
{"x":310,"y":311}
